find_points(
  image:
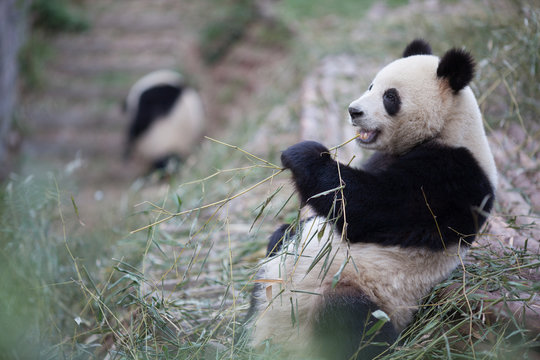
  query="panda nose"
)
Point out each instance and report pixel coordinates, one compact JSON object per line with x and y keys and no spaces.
{"x":355,"y":113}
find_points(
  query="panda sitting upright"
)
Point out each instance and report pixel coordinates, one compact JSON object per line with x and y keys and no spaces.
{"x":385,"y":234}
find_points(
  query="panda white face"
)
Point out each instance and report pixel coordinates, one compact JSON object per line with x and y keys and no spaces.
{"x":403,"y":106}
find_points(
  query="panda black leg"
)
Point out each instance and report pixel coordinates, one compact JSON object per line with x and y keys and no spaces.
{"x":343,"y":324}
{"x":274,"y":245}
{"x":166,"y":164}
{"x":277,"y":238}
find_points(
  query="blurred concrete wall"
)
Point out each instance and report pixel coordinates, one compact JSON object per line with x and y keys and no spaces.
{"x":12,"y":25}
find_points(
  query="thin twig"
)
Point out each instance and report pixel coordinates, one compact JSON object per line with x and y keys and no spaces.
{"x":223,"y":201}
{"x":345,"y":143}
{"x":218,"y":172}
{"x":467,"y":300}
{"x":244,"y":152}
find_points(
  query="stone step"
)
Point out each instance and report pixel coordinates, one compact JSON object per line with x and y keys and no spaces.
{"x":66,"y":142}
{"x":106,"y":88}
{"x":133,"y":14}
{"x":83,"y":117}
{"x":128,"y":43}
{"x":249,"y":55}
{"x":88,"y":65}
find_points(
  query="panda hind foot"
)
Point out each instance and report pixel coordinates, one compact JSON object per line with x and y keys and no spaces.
{"x":342,"y":327}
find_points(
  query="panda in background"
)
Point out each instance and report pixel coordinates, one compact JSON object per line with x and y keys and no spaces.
{"x":166,"y":119}
{"x":385,"y":234}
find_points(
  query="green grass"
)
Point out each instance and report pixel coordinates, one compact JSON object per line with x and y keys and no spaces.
{"x":228,"y":27}
{"x":57,"y":16}
{"x":305,"y":10}
{"x":458,"y":320}
{"x":47,"y":18}
{"x":229,"y":23}
{"x":32,"y":59}
{"x":41,"y":268}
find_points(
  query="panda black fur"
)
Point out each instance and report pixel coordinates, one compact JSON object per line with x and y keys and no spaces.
{"x":388,"y":232}
{"x":166,"y":118}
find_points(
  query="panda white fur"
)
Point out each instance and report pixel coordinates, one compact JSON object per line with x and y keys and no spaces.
{"x":166,"y":118}
{"x":385,"y":234}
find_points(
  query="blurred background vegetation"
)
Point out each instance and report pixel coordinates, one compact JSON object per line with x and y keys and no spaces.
{"x":77,"y":280}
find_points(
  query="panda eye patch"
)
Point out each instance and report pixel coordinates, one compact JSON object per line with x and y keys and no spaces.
{"x":391,"y":101}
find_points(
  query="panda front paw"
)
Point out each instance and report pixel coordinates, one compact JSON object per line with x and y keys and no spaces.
{"x":302,"y":156}
{"x":310,"y":164}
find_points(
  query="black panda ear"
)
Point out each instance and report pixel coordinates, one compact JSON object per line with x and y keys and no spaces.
{"x":457,"y":66}
{"x":417,"y":47}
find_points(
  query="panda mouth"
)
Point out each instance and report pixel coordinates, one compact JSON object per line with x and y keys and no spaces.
{"x":367,"y":136}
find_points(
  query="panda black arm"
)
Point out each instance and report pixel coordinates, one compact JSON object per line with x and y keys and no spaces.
{"x":425,"y":198}
{"x":314,"y":172}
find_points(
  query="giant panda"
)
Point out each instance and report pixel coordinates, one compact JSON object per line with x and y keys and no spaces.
{"x":383,"y":235}
{"x":166,"y":119}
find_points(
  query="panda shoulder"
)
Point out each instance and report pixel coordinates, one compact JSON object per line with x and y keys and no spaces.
{"x":448,"y":161}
